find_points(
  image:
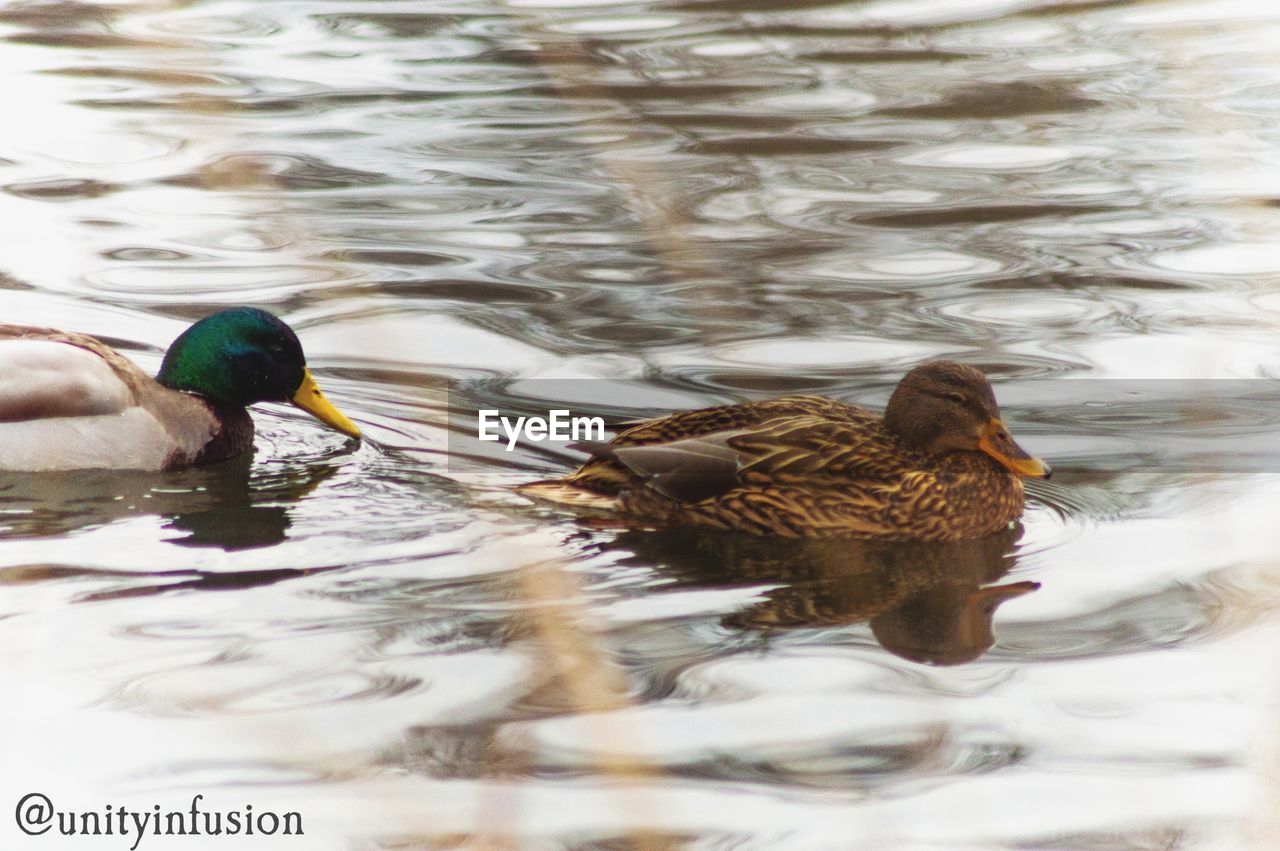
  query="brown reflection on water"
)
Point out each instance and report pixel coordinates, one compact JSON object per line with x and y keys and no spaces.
{"x":930,"y":603}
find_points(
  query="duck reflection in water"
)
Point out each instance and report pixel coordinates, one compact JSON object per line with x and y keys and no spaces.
{"x":927,"y":602}
{"x":231,"y":506}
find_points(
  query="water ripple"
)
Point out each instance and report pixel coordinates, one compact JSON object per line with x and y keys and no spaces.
{"x":676,"y":206}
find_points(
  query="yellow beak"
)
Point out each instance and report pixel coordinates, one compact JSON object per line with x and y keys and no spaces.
{"x":310,"y":399}
{"x":996,"y":442}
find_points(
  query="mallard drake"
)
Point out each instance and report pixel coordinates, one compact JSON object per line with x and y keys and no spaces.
{"x":940,"y":465}
{"x":68,"y":401}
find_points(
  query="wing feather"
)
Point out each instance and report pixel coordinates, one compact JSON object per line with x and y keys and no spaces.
{"x":42,"y":379}
{"x":799,"y":451}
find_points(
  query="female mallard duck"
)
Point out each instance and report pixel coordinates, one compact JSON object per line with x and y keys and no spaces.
{"x":940,"y":466}
{"x":68,"y":401}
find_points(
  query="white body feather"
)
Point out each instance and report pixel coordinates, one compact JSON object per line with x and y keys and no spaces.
{"x":46,"y":377}
{"x":62,"y":408}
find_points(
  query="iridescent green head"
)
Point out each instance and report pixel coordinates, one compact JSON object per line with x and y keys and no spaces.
{"x":244,"y":355}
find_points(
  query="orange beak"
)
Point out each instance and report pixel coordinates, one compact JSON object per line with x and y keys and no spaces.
{"x":996,"y":442}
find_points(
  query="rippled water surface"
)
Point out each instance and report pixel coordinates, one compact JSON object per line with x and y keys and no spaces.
{"x":688,"y":202}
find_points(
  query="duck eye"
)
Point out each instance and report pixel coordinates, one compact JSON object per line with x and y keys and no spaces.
{"x":957,"y":398}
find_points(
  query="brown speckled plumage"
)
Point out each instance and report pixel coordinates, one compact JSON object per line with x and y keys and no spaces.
{"x":806,"y":466}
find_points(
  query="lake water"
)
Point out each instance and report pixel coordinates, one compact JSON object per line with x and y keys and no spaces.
{"x":629,"y":208}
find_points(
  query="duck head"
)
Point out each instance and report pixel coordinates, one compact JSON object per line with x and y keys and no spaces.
{"x":943,"y":406}
{"x":244,"y":355}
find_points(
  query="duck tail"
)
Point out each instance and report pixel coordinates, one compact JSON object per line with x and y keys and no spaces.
{"x":560,"y":492}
